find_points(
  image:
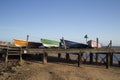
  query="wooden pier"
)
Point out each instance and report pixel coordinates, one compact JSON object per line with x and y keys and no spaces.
{"x":107,"y":51}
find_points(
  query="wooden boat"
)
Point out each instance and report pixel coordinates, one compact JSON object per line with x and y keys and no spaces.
{"x":49,"y":43}
{"x":19,"y":43}
{"x":72,"y":44}
{"x":23,"y":43}
{"x":34,"y":45}
{"x":4,"y":44}
{"x":93,"y":44}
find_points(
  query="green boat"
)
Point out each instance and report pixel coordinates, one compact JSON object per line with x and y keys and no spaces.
{"x":49,"y":43}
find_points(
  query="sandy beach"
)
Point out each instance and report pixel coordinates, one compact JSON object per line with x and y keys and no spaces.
{"x":56,"y":70}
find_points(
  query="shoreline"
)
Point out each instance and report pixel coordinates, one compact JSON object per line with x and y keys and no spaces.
{"x":60,"y":71}
{"x":57,"y":70}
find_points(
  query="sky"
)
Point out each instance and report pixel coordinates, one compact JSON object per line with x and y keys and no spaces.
{"x":54,"y":19}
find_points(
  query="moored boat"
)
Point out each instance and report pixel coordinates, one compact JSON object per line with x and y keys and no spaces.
{"x":49,"y":43}
{"x":72,"y":44}
{"x":94,"y":44}
{"x":4,"y":44}
{"x":23,"y":43}
{"x":19,"y":43}
{"x":34,"y":45}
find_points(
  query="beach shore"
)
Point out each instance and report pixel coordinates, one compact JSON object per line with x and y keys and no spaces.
{"x":57,"y":70}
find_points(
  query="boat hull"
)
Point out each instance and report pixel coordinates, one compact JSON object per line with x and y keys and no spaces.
{"x":49,"y":43}
{"x":71,"y":44}
{"x":22,"y":43}
{"x":93,"y":44}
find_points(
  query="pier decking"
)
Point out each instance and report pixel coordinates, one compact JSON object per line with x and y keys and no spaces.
{"x":58,"y":50}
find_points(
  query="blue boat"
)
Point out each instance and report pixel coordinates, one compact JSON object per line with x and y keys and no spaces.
{"x":72,"y":44}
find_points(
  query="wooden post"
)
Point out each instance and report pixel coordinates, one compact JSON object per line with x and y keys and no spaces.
{"x":107,"y":60}
{"x":79,"y":59}
{"x":96,"y":58}
{"x":91,"y":58}
{"x":67,"y":56}
{"x":97,"y":53}
{"x":110,"y":44}
{"x":111,"y":59}
{"x":64,"y":44}
{"x":111,"y":54}
{"x":21,"y":55}
{"x":59,"y":55}
{"x":6,"y":57}
{"x":45,"y":57}
{"x":27,"y":41}
{"x":119,"y":63}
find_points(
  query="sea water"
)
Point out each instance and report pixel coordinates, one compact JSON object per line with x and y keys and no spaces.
{"x":116,"y":57}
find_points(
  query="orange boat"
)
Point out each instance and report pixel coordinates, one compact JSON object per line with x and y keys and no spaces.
{"x":20,"y":43}
{"x":23,"y":43}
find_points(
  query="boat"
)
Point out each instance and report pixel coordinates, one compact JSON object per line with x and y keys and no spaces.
{"x":50,"y":43}
{"x":34,"y":45}
{"x":19,"y":43}
{"x":72,"y":44}
{"x":4,"y":44}
{"x":93,"y":44}
{"x":29,"y":44}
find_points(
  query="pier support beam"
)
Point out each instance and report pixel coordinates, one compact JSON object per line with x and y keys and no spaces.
{"x":79,"y":59}
{"x":107,"y":60}
{"x":45,"y":58}
{"x":97,"y":53}
{"x":67,"y":56}
{"x":6,"y":58}
{"x":119,"y":63}
{"x":21,"y":61}
{"x":59,"y":55}
{"x":96,"y":59}
{"x":91,"y":58}
{"x":111,"y":59}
